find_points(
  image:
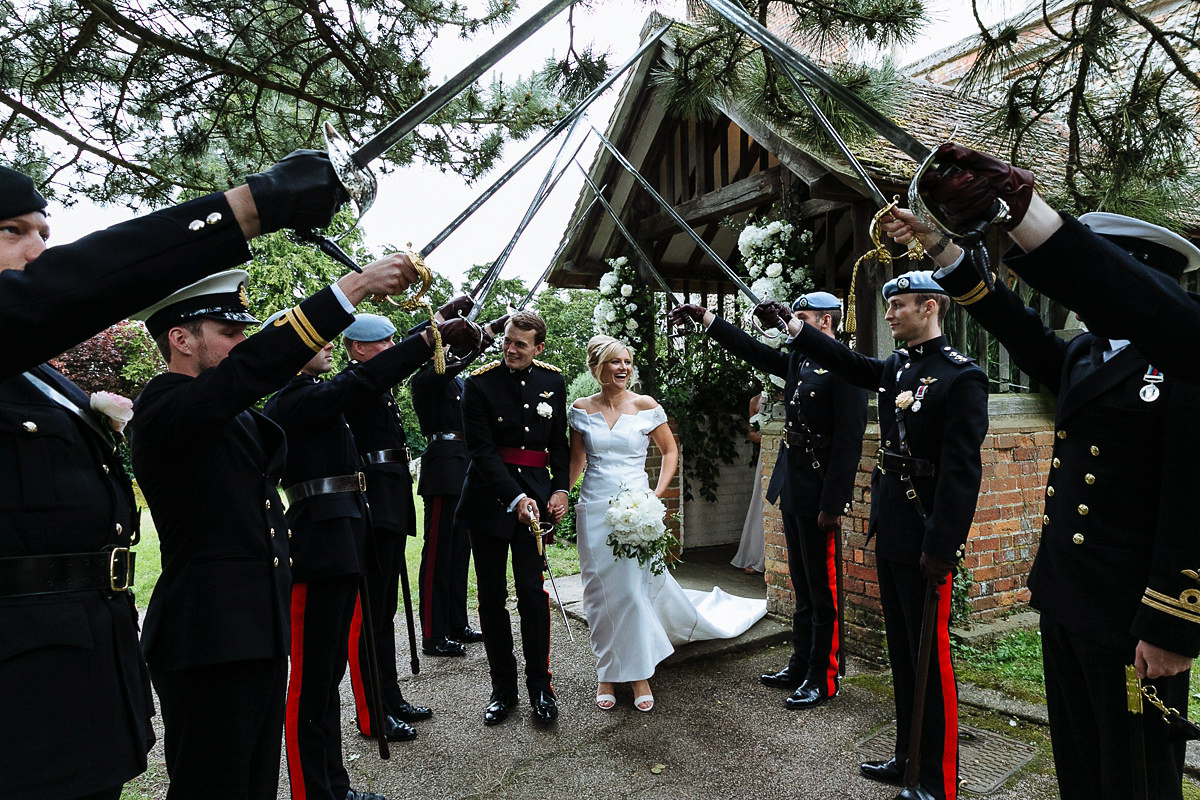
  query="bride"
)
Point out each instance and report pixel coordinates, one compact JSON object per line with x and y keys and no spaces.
{"x":636,"y":618}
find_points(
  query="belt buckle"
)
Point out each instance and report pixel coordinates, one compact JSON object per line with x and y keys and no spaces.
{"x":911,"y":494}
{"x":125,"y":579}
{"x":362,"y":481}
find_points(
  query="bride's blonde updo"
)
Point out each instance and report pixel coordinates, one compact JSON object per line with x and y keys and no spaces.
{"x":601,"y":348}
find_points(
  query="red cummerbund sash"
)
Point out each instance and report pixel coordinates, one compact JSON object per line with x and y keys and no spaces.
{"x":524,"y":458}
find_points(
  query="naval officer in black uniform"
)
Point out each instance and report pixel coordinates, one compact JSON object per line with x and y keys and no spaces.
{"x":216,"y":634}
{"x":932,"y":420}
{"x":515,"y":421}
{"x":74,"y":670}
{"x":1111,"y":578}
{"x":826,"y":416}
{"x":331,"y":538}
{"x":446,"y":552}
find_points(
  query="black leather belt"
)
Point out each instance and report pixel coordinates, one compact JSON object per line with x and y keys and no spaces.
{"x":397,"y":455}
{"x":805,"y":439}
{"x":341,"y":483}
{"x":447,"y":436}
{"x":905,"y":465}
{"x":109,"y":571}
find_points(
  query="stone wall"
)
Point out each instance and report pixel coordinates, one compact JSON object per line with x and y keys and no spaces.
{"x":1003,"y":538}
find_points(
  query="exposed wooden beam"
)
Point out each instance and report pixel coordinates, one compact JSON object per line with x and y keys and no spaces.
{"x":745,"y":194}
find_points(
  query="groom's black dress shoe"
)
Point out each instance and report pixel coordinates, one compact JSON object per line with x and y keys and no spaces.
{"x":469,"y":636}
{"x":545,"y":707}
{"x":407,"y":712}
{"x":395,"y":730}
{"x":442,"y":647}
{"x":498,"y":708}
{"x":917,"y":792}
{"x":890,"y":771}
{"x":786,"y":678}
{"x":807,"y":695}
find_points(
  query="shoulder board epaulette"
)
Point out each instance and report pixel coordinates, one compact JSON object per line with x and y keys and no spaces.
{"x":544,"y":365}
{"x":486,"y":367}
{"x":956,"y":358}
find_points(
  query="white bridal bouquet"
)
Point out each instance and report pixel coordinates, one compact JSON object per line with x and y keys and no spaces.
{"x":638,"y":531}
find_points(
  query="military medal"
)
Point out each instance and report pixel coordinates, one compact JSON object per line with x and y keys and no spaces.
{"x":1149,"y":393}
{"x":916,"y":406}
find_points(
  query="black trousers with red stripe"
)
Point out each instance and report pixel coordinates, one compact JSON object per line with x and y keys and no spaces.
{"x":321,"y":615}
{"x":383,"y":589}
{"x":445,"y":557}
{"x":222,"y":726}
{"x":812,"y":563}
{"x":533,"y":606}
{"x":902,"y":590}
{"x":1090,"y":728}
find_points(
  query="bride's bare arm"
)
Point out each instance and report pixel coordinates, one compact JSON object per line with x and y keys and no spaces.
{"x":578,"y":457}
{"x":665,"y":441}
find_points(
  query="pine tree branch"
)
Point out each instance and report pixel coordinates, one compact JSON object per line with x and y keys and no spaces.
{"x":1160,"y":38}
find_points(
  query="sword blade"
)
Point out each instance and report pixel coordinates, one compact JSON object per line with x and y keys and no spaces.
{"x":433,"y":102}
{"x":554,"y":258}
{"x":637,"y":249}
{"x":674,"y":215}
{"x":557,"y":599}
{"x":787,"y":55}
{"x":484,"y":288}
{"x":566,"y":122}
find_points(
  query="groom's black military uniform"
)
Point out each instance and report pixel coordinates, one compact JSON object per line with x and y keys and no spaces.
{"x":821,"y":449}
{"x":1118,"y":537}
{"x":515,"y":423}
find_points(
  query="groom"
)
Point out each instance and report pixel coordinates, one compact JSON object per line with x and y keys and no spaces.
{"x":515,"y":421}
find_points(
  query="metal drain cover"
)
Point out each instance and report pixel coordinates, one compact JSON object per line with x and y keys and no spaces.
{"x":985,"y":759}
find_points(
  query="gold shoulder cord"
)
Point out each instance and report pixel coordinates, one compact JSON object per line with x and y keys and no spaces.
{"x":881,"y":254}
{"x":417,"y":300}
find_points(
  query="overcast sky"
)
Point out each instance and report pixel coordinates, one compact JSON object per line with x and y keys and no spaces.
{"x":416,"y":202}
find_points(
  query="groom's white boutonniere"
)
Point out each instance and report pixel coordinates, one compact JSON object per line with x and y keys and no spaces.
{"x":904,"y":400}
{"x":544,"y":410}
{"x":116,"y":409}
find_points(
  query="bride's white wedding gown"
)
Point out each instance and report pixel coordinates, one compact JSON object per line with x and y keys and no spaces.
{"x":636,"y":617}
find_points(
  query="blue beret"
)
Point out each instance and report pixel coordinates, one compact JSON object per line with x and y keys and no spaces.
{"x":817,"y":301}
{"x":369,"y":328}
{"x":920,"y":282}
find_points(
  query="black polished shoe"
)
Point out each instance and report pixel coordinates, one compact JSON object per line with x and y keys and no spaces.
{"x":807,"y":695}
{"x":890,"y":771}
{"x":545,"y":707}
{"x":442,"y":647}
{"x":407,"y":712}
{"x":917,"y":792}
{"x":786,"y":678}
{"x":353,"y":795}
{"x":469,"y":635}
{"x":498,"y":708}
{"x":394,"y":730}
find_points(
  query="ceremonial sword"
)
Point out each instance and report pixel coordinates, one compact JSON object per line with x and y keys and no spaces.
{"x":535,"y":527}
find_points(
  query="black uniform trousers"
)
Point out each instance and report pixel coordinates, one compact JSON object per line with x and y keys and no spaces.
{"x":445,"y":557}
{"x":383,"y":593}
{"x":1085,"y":695}
{"x":223,"y":727}
{"x":902,"y":590}
{"x":321,"y":613}
{"x":533,"y":606}
{"x":812,"y":564}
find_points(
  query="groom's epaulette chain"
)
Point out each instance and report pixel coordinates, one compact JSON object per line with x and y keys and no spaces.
{"x":486,"y":367}
{"x":544,"y":365}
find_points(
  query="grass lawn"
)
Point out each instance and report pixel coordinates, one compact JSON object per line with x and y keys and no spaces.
{"x":564,"y":560}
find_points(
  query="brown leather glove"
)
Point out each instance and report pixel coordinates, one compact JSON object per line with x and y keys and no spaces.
{"x":963,"y":184}
{"x":493,"y":329}
{"x":679,"y":315}
{"x":458,"y":306}
{"x":459,"y":332}
{"x":773,"y":314}
{"x":935,"y":568}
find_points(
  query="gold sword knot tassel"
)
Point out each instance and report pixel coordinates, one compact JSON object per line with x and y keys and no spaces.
{"x":416,"y":301}
{"x":881,"y":255}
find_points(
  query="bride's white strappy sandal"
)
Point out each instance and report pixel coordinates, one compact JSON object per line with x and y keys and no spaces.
{"x":606,"y":702}
{"x":648,"y":699}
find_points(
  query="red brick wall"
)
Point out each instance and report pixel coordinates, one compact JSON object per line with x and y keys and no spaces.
{"x":1003,"y":538}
